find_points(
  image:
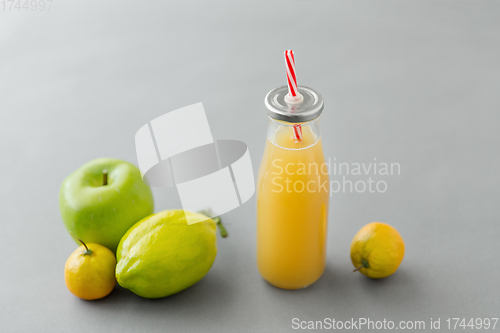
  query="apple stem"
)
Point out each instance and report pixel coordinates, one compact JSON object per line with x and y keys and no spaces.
{"x":104,"y":177}
{"x":87,"y":251}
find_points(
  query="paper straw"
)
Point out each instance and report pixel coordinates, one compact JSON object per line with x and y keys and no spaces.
{"x":297,"y":132}
{"x":290,"y":74}
{"x":293,"y":92}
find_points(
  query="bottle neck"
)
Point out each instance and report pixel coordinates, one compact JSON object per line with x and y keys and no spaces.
{"x":294,"y":136}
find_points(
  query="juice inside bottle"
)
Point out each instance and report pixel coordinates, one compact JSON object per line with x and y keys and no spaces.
{"x":292,"y":206}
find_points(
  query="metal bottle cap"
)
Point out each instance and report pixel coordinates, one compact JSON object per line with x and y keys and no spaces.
{"x":310,"y":108}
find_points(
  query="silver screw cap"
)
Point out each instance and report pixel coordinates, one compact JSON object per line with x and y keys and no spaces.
{"x":278,"y":107}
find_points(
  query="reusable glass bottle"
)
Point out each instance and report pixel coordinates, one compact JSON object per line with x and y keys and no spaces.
{"x":292,"y":192}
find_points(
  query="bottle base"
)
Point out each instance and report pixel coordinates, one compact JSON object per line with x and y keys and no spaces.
{"x":291,"y":287}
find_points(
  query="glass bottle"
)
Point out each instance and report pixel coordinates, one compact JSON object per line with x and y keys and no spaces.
{"x":293,"y":190}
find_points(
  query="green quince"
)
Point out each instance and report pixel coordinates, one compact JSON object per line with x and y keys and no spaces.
{"x":161,"y":254}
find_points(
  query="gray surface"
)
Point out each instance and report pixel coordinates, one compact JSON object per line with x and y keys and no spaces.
{"x":409,"y":82}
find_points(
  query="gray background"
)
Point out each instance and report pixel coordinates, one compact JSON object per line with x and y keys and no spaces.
{"x":412,"y":82}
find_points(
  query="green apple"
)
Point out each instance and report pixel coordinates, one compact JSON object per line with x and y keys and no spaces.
{"x":102,"y":199}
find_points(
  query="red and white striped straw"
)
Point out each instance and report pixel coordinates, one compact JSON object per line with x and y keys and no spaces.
{"x":297,"y":132}
{"x":290,"y":74}
{"x":293,"y":92}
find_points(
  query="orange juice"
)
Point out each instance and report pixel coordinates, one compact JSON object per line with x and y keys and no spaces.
{"x":292,"y":207}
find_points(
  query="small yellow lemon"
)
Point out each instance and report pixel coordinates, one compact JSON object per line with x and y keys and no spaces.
{"x":90,"y":271}
{"x":377,"y":250}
